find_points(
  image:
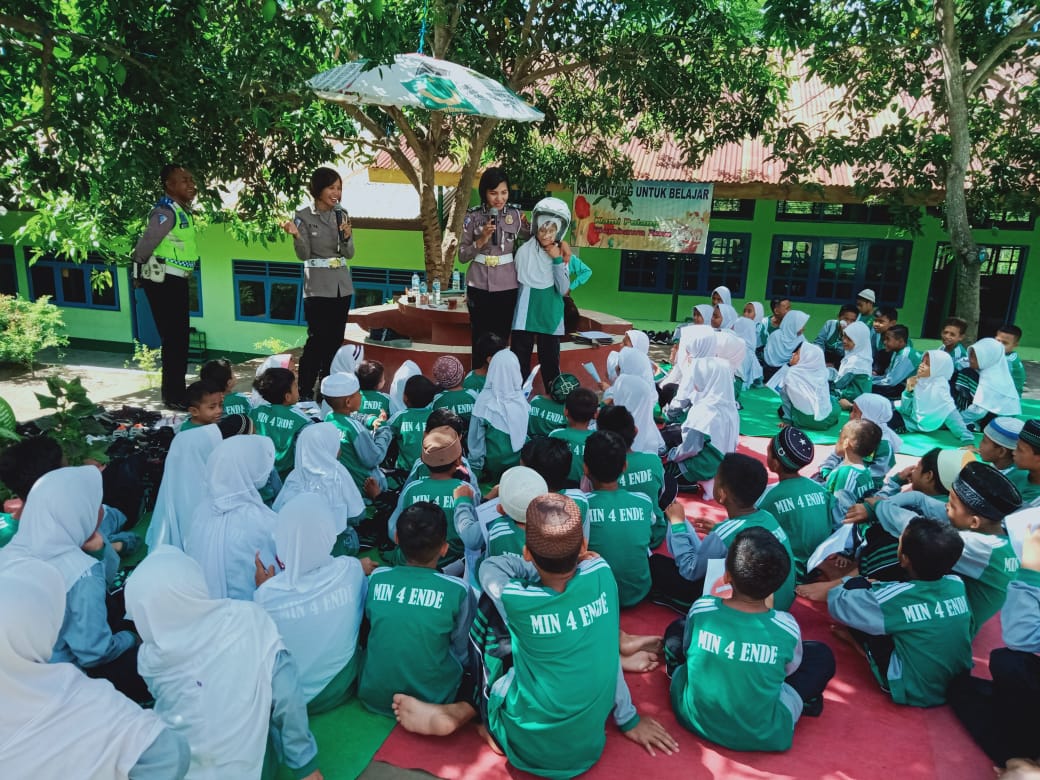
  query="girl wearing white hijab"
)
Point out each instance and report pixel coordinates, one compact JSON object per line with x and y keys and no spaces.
{"x":731,"y":348}
{"x":407,"y":370}
{"x":927,"y":404}
{"x":702,"y":314}
{"x":756,"y":312}
{"x":233,"y":525}
{"x":711,"y":428}
{"x":723,"y":316}
{"x":783,"y":341}
{"x":59,"y":520}
{"x":805,"y":398}
{"x":633,"y":393}
{"x":633,"y":362}
{"x":498,"y":428}
{"x":721,"y":294}
{"x":56,"y":719}
{"x":996,"y":394}
{"x":183,"y":486}
{"x":750,"y":368}
{"x":219,"y":672}
{"x":695,"y":341}
{"x":316,"y":601}
{"x":855,"y":369}
{"x":633,"y":338}
{"x":318,"y":470}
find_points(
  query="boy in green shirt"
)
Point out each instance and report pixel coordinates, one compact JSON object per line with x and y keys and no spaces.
{"x":360,"y":451}
{"x":851,"y":480}
{"x":485,"y":349}
{"x":999,"y":442}
{"x":204,"y":404}
{"x":1009,"y":336}
{"x":916,"y":634}
{"x":547,"y":412}
{"x":801,"y":506}
{"x":409,"y":425}
{"x":434,"y":609}
{"x":620,"y":522}
{"x":375,"y":404}
{"x":447,"y":373}
{"x":546,"y":703}
{"x":276,"y":419}
{"x":580,"y":409}
{"x":220,"y":373}
{"x":741,"y":676}
{"x":1026,"y":476}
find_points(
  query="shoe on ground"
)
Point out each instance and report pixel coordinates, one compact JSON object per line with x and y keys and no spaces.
{"x":176,"y":406}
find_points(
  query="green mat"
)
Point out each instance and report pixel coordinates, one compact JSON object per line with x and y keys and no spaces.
{"x":759,"y":418}
{"x":347,"y":737}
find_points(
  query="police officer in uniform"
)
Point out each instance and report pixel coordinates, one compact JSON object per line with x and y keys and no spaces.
{"x":490,"y":235}
{"x":170,"y":236}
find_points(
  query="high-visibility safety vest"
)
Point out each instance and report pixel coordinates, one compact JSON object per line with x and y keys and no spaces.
{"x":178,"y":246}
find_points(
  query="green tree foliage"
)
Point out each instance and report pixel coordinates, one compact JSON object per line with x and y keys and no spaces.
{"x":969,"y":66}
{"x":28,"y":327}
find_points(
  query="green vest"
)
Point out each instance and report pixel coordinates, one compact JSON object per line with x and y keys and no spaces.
{"x":178,"y":246}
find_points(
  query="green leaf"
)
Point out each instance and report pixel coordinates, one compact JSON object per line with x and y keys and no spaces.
{"x":268,"y":10}
{"x":46,"y":401}
{"x":119,"y":73}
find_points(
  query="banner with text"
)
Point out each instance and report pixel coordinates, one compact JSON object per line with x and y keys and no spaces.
{"x":664,"y":216}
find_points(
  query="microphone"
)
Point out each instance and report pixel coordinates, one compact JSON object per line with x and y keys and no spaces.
{"x":494,"y":236}
{"x":341,"y":215}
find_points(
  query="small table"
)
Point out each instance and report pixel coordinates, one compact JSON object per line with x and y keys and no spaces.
{"x":436,"y":324}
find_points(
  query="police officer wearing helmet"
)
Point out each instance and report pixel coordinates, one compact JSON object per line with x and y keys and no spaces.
{"x":170,"y":237}
{"x":490,"y":235}
{"x":543,"y":273}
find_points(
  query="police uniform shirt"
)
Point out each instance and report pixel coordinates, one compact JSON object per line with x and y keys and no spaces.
{"x":512,"y":228}
{"x":320,"y":238}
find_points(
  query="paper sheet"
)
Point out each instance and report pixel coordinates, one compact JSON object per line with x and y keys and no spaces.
{"x":591,"y":369}
{"x":839,"y":541}
{"x":528,"y":386}
{"x":1020,"y":524}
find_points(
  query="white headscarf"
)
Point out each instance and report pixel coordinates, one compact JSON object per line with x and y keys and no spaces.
{"x":714,"y":411}
{"x":996,"y":392}
{"x":706,"y":310}
{"x":635,"y":395}
{"x":629,"y":361}
{"x":208,"y":662}
{"x":640,"y":340}
{"x":502,"y":401}
{"x":729,"y":315}
{"x":229,"y":529}
{"x":932,"y":400}
{"x":806,"y":382}
{"x":861,"y":359}
{"x":272,"y":361}
{"x":318,"y":470}
{"x":760,"y":312}
{"x":318,"y":601}
{"x":724,"y":293}
{"x":346,"y":359}
{"x":783,"y":341}
{"x":878,"y":410}
{"x":60,"y":514}
{"x":183,"y":487}
{"x":731,"y":348}
{"x":534,"y":267}
{"x":407,"y":370}
{"x":695,"y":341}
{"x":54,"y":717}
{"x":751,"y":369}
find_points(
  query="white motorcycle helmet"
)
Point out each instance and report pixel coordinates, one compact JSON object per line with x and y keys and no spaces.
{"x":551,"y":209}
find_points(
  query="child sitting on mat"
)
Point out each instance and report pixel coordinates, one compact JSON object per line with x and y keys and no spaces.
{"x":805,"y":398}
{"x":901,"y":366}
{"x":409,"y":425}
{"x":580,"y":409}
{"x":853,"y":378}
{"x":277,"y":420}
{"x":1026,"y":476}
{"x":927,"y":404}
{"x":999,"y":441}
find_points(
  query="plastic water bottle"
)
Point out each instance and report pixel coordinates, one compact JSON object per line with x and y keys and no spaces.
{"x":422,"y":287}
{"x":436,"y":292}
{"x":456,"y":280}
{"x":415,"y":284}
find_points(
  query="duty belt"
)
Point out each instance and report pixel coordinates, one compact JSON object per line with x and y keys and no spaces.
{"x":325,"y":262}
{"x":181,"y":268}
{"x":492,"y":260}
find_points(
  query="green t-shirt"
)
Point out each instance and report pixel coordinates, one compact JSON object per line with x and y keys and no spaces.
{"x":987,"y":589}
{"x":412,"y":614}
{"x":620,"y":524}
{"x":236,"y":404}
{"x":440,"y":492}
{"x":349,"y":430}
{"x":459,"y":401}
{"x":374,"y":403}
{"x":409,"y":427}
{"x":499,"y":453}
{"x":729,"y":689}
{"x":1020,"y":479}
{"x":474,"y":381}
{"x":548,"y":712}
{"x":545,"y":417}
{"x":505,"y":536}
{"x":1018,"y":371}
{"x":281,"y":425}
{"x":8,"y":528}
{"x":802,"y":507}
{"x":727,"y":530}
{"x":854,"y":479}
{"x":645,"y":474}
{"x":188,"y":424}
{"x":575,"y":439}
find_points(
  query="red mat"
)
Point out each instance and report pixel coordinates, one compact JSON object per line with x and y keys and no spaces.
{"x":861,"y":735}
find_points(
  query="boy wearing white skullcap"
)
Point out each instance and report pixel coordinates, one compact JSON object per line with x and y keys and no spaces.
{"x":361,"y":451}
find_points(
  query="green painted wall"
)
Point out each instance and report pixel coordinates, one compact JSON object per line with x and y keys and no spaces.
{"x":403,"y":249}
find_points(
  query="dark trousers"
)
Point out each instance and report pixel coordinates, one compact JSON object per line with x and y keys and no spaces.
{"x":326,"y":319}
{"x":669,"y":588}
{"x":522,"y":344}
{"x":1002,"y":716}
{"x":168,"y":301}
{"x":490,"y":312}
{"x":893,"y":393}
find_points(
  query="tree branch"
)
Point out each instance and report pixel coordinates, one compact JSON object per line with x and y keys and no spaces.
{"x":393,"y":150}
{"x":544,"y":73}
{"x":28,"y":27}
{"x":1022,"y":31}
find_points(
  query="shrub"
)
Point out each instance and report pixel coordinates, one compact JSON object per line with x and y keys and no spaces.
{"x":26,"y":327}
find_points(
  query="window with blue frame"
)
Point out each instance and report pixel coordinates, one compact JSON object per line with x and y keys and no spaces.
{"x":92,"y":284}
{"x":376,"y":286}
{"x":725,"y":263}
{"x":8,"y":272}
{"x":268,"y":292}
{"x":833,"y":270}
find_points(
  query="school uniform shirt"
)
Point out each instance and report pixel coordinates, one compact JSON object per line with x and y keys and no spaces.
{"x":987,"y":564}
{"x":235,"y":403}
{"x":732,"y":688}
{"x":474,"y":381}
{"x":575,"y":439}
{"x":543,"y":281}
{"x":829,"y":337}
{"x":409,"y":427}
{"x":459,"y":401}
{"x":620,"y":524}
{"x":546,"y":416}
{"x":644,"y":474}
{"x":188,"y":425}
{"x":930,"y":624}
{"x":691,"y":556}
{"x":436,"y":611}
{"x":1029,"y":490}
{"x":802,"y":507}
{"x":848,"y":483}
{"x":547,"y":712}
{"x":959,"y":356}
{"x":930,"y":406}
{"x":361,"y":451}
{"x":1020,"y":618}
{"x":374,"y":403}
{"x":498,"y":429}
{"x":437,"y":491}
{"x":490,"y":450}
{"x":281,"y":425}
{"x":1018,"y":371}
{"x":904,"y":364}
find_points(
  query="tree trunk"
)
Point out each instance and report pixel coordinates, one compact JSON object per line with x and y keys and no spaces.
{"x":432,"y":256}
{"x":965,"y":251}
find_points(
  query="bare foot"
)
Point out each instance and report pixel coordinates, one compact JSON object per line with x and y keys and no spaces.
{"x":842,"y":633}
{"x":438,"y":720}
{"x":633,"y":643}
{"x":640,"y":661}
{"x":486,"y":736}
